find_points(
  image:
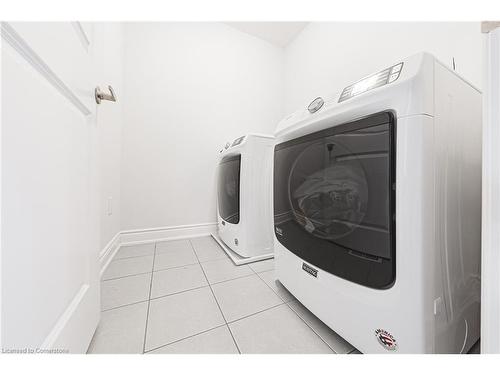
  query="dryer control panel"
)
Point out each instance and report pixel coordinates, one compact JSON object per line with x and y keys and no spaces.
{"x":238,"y":141}
{"x":379,"y":79}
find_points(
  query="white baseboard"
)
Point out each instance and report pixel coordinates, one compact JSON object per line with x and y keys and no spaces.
{"x":148,"y":235}
{"x":73,"y":330}
{"x":109,"y":252}
{"x":138,"y":236}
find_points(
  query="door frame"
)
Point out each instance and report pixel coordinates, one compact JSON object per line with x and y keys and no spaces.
{"x":490,"y":244}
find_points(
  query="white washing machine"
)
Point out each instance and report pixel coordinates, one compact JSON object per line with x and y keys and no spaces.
{"x":377,"y":199}
{"x":245,"y":227}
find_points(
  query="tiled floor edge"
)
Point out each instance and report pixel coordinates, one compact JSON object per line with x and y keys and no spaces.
{"x":149,"y":302}
{"x":185,"y":338}
{"x":125,"y":305}
{"x":287,"y":304}
{"x":122,"y":277}
{"x":119,"y":240}
{"x":179,"y":292}
{"x":256,"y":313}
{"x":215,"y":298}
{"x":257,"y":273}
{"x":312,"y":329}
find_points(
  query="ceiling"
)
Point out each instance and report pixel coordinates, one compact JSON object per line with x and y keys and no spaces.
{"x":277,"y":33}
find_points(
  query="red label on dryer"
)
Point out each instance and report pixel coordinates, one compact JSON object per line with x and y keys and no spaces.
{"x":386,"y":339}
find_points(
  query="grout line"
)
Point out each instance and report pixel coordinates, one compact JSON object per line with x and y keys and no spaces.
{"x":129,"y":257}
{"x":272,"y":269}
{"x":257,"y":312}
{"x":179,"y":292}
{"x":275,"y":292}
{"x":215,"y":298}
{"x":311,"y":328}
{"x":259,"y":261}
{"x":219,"y":259}
{"x":149,"y":303}
{"x":286,"y":303}
{"x":234,"y":278}
{"x":199,"y":287}
{"x":127,"y":304}
{"x":208,"y":285}
{"x":122,"y":277}
{"x":184,"y":338}
{"x":114,"y":259}
{"x":171,"y":268}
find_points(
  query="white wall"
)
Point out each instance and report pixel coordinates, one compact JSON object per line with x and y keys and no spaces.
{"x":189,"y":88}
{"x":108,"y":70}
{"x":325,"y":57}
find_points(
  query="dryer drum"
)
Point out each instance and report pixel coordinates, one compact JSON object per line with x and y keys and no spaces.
{"x":331,"y":202}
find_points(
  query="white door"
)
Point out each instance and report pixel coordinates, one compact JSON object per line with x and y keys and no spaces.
{"x":49,"y":221}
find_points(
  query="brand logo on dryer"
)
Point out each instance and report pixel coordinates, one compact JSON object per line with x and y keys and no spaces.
{"x":310,"y":270}
{"x":386,"y":339}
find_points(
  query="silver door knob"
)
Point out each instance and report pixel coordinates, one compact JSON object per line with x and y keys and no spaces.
{"x":100,"y":95}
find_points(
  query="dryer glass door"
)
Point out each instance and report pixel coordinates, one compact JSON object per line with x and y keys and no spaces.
{"x":334,"y":199}
{"x":229,"y":188}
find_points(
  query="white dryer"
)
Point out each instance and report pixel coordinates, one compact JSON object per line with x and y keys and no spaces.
{"x":377,"y":199}
{"x":245,"y":227}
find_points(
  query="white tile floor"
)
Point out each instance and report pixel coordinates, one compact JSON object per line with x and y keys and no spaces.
{"x":186,"y":296}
